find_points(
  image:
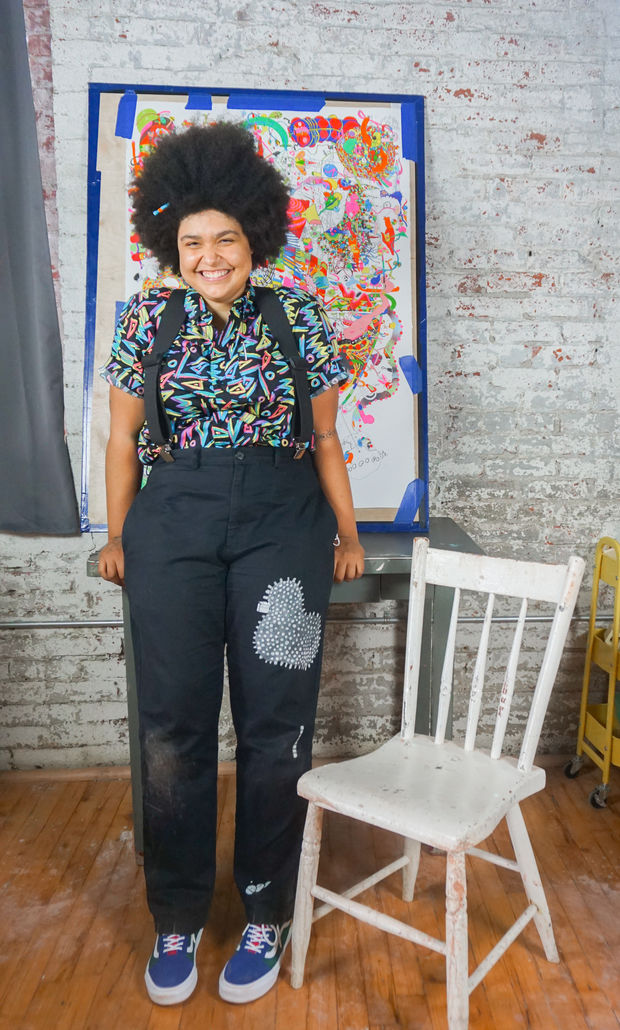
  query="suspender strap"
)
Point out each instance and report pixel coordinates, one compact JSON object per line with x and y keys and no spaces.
{"x":173,"y":317}
{"x":274,"y":314}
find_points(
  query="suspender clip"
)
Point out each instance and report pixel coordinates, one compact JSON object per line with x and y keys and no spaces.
{"x":165,"y":452}
{"x":300,"y":449}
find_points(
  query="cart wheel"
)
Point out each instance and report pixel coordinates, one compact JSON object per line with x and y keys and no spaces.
{"x":598,"y":797}
{"x":572,"y":769}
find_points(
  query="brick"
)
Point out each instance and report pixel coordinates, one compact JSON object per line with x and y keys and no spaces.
{"x":542,"y":23}
{"x":37,"y":20}
{"x":38,"y":45}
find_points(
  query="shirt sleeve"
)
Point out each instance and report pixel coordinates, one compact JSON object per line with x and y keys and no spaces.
{"x":319,"y":346}
{"x":124,"y":367}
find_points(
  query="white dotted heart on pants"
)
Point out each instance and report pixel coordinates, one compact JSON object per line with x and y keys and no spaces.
{"x":287,"y":634}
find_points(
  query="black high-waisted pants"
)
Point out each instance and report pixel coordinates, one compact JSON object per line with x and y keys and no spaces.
{"x":226,"y":548}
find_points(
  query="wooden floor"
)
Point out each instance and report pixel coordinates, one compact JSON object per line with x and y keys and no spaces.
{"x":75,"y":933}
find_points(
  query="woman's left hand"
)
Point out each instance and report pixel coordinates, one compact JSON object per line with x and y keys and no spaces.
{"x":334,"y":480}
{"x":348,"y":559}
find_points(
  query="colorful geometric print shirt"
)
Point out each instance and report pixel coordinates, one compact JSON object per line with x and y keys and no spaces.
{"x":229,"y":387}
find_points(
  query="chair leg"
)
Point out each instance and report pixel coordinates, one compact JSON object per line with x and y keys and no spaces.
{"x":524,"y":855}
{"x":456,"y":942}
{"x":304,"y":902}
{"x":410,"y":871}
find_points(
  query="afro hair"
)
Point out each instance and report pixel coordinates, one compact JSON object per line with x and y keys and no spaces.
{"x":215,"y":168}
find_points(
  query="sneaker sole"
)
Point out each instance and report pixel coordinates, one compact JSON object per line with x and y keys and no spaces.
{"x":171,"y":995}
{"x":240,"y":993}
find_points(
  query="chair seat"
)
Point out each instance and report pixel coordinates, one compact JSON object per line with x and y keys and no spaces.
{"x":434,"y":793}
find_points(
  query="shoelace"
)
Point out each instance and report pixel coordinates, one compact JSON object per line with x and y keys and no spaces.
{"x":173,"y":942}
{"x":257,"y":935}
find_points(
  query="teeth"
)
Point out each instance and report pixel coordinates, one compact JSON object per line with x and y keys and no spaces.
{"x":218,"y":274}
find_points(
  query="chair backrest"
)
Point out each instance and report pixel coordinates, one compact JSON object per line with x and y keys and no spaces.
{"x":493,"y":577}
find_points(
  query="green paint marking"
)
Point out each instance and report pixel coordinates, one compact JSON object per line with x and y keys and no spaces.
{"x":260,"y":119}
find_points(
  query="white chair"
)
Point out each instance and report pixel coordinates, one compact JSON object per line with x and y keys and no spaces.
{"x":435,"y":791}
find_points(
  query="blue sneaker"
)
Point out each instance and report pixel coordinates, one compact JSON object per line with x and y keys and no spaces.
{"x":254,"y":967}
{"x":171,"y":972}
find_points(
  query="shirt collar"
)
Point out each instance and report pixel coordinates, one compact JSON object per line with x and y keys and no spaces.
{"x":242,"y":307}
{"x":245,"y":304}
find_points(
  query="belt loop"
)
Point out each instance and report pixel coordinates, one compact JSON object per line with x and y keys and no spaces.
{"x":277,"y":456}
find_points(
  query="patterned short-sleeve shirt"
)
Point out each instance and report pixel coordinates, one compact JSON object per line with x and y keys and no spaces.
{"x":229,"y":387}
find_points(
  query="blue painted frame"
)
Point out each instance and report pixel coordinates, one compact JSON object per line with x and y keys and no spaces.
{"x":412,"y":120}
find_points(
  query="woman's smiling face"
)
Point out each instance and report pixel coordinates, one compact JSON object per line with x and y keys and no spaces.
{"x":214,"y":258}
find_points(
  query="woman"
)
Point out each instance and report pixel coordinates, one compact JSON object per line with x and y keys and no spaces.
{"x":232,"y":544}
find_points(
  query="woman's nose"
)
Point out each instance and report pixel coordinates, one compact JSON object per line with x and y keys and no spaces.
{"x":209,"y":255}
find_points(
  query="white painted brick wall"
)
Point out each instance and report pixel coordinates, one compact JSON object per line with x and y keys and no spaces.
{"x":523,"y":172}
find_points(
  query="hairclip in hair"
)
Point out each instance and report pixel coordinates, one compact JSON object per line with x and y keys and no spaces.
{"x":158,"y":210}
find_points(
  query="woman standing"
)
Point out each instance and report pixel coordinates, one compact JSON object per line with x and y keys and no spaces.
{"x":231,"y":545}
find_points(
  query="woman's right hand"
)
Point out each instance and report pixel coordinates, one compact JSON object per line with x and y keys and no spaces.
{"x":112,"y":562}
{"x":123,"y":472}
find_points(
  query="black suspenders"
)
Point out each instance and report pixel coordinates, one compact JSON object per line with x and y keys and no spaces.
{"x":273,"y":314}
{"x":173,"y":317}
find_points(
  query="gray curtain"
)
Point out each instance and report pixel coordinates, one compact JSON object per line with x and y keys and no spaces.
{"x":37,"y":494}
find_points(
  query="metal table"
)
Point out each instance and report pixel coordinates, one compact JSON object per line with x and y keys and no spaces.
{"x":386,"y":578}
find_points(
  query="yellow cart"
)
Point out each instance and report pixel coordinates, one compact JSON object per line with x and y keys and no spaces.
{"x":599,"y":724}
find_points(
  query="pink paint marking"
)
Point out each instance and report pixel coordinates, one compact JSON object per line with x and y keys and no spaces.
{"x":358,"y":327}
{"x":352,"y":206}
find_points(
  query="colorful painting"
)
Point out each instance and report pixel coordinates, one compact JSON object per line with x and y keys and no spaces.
{"x":351,"y":243}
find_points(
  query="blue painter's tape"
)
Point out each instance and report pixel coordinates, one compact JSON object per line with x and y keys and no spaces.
{"x":198,"y":101}
{"x":412,"y":373}
{"x":409,"y":131}
{"x":126,"y":114}
{"x":412,"y":499}
{"x":299,"y":101}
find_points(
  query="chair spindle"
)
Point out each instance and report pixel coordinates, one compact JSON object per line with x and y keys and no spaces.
{"x":445,"y":687}
{"x":477,"y":684}
{"x":508,"y":686}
